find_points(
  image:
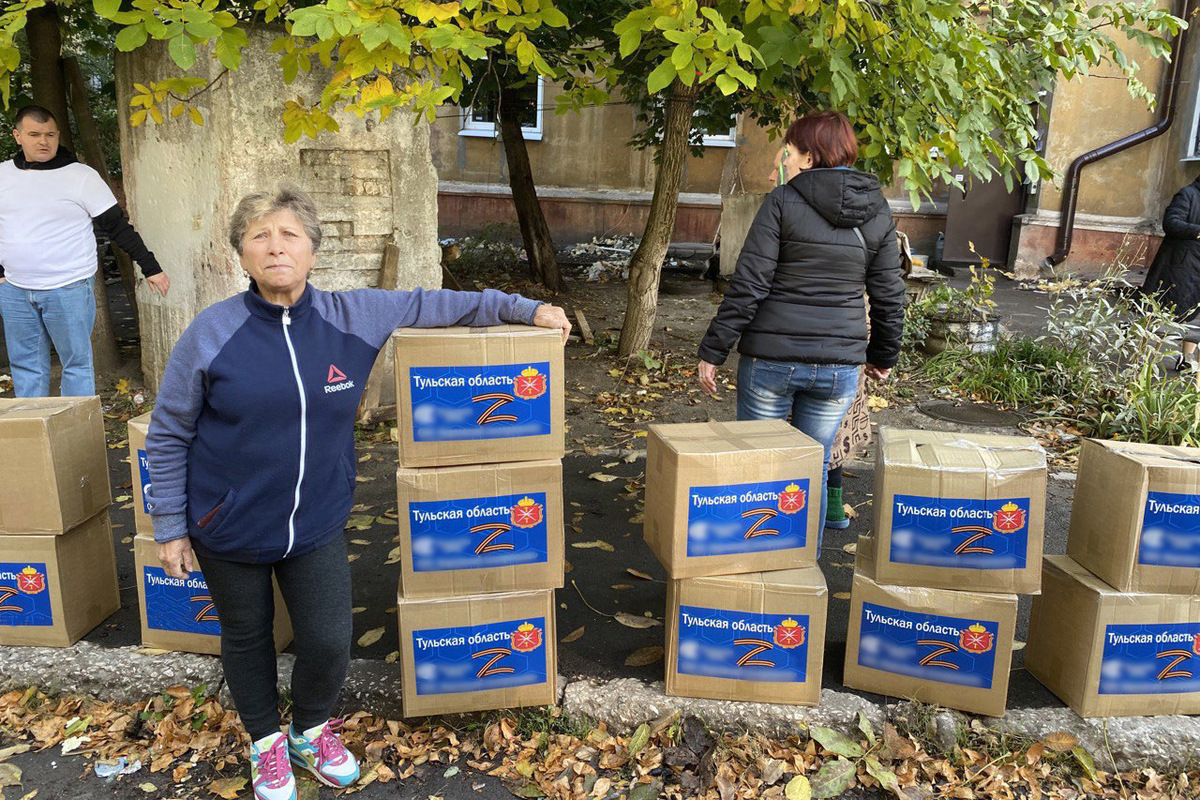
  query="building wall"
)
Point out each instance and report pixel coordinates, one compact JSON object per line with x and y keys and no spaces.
{"x":373,"y":183}
{"x":1122,"y":197}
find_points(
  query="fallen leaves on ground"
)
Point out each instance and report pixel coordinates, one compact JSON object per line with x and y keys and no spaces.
{"x":543,"y":754}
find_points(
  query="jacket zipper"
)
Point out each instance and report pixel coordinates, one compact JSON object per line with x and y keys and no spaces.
{"x":287,"y":322}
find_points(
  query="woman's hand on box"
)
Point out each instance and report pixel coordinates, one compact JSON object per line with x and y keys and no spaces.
{"x":176,"y":557}
{"x":548,"y":316}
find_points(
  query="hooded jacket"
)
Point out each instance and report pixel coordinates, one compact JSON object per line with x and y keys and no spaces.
{"x":251,"y":444}
{"x":1175,"y":273}
{"x":797,"y":292}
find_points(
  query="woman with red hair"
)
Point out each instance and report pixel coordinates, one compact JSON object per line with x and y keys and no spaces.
{"x":795,"y":305}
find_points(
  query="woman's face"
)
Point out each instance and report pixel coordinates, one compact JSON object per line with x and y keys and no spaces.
{"x":278,"y":254}
{"x":789,"y":162}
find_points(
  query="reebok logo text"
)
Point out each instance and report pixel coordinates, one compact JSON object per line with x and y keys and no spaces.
{"x":337,"y":387}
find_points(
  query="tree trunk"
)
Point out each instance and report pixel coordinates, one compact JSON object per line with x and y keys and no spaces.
{"x":646,"y":265}
{"x":93,"y":153}
{"x":50,"y":91}
{"x":535,"y":233}
{"x":45,"y":69}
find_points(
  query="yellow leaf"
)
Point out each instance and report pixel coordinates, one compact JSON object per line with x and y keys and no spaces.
{"x":599,"y":544}
{"x":178,"y":110}
{"x":370,"y":637}
{"x":229,"y":788}
{"x":573,"y":635}
{"x":157,"y":116}
{"x":196,"y":116}
{"x":1060,"y":741}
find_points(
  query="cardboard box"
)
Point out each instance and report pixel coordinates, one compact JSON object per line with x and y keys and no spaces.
{"x":1135,"y":521}
{"x":1108,"y":653}
{"x":938,"y":646}
{"x":758,"y":637}
{"x":732,"y":497}
{"x":480,"y":529}
{"x":139,"y":471}
{"x":477,"y":653}
{"x":178,"y":613}
{"x":54,"y":589}
{"x":953,"y":511}
{"x":54,"y":473}
{"x":478,"y":395}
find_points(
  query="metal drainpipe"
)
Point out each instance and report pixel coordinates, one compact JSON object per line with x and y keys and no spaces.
{"x":1066,"y":226}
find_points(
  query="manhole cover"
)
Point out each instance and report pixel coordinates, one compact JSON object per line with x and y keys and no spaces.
{"x":970,"y":413}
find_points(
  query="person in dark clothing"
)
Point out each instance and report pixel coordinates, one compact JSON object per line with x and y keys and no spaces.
{"x":251,"y":460}
{"x":48,"y":204}
{"x":795,"y":304}
{"x":1174,"y":275}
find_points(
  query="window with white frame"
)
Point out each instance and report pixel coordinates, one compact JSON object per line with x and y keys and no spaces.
{"x":480,"y":119}
{"x":721,"y":137}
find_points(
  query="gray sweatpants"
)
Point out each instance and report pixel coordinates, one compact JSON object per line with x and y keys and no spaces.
{"x":316,"y":589}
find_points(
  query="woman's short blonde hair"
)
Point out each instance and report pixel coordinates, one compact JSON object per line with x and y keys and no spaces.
{"x":260,"y":204}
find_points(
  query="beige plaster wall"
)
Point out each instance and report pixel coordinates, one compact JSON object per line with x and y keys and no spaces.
{"x":373,"y":182}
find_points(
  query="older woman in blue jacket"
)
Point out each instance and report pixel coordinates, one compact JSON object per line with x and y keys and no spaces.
{"x":251,"y":456}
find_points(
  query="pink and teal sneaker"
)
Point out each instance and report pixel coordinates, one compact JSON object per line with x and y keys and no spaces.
{"x":270,"y":771}
{"x":321,"y":752}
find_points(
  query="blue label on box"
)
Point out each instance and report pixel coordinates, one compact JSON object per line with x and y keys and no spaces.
{"x":144,"y":471}
{"x":747,"y":517}
{"x":963,"y":533}
{"x":499,"y":401}
{"x":928,"y":646}
{"x":475,"y":658}
{"x":478,"y":532}
{"x":1151,"y":659}
{"x":24,"y":595}
{"x":179,"y":604}
{"x":716,"y":643}
{"x":1170,"y":530}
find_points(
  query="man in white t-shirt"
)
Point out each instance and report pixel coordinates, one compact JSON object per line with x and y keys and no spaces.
{"x":48,"y":204}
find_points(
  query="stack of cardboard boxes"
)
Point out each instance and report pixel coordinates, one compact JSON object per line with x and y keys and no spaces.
{"x":480,"y":505}
{"x":733,"y":514}
{"x":176,"y":613}
{"x":1116,"y":631}
{"x":58,"y":573}
{"x":957,"y":535}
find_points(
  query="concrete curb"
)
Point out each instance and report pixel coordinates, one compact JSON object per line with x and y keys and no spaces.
{"x":1166,"y":744}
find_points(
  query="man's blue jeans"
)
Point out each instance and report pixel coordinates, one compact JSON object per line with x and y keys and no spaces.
{"x":816,"y":396}
{"x":33,"y":318}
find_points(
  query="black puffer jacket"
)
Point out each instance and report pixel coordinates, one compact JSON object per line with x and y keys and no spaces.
{"x":1175,"y":274}
{"x":797,"y":292}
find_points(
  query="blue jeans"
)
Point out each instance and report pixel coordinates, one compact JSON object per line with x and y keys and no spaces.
{"x":33,"y":318}
{"x":816,"y":396}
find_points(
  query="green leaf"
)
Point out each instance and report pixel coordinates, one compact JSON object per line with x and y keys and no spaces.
{"x":833,"y":778}
{"x":798,"y":788}
{"x":661,"y":77}
{"x":836,"y":742}
{"x":107,"y":8}
{"x":373,"y":36}
{"x":726,"y":84}
{"x":131,"y":38}
{"x":639,"y":739}
{"x":182,"y":51}
{"x":864,"y":725}
{"x":887,"y":779}
{"x":228,"y":53}
{"x":681,"y":58}
{"x":630,"y":41}
{"x":1085,"y":761}
{"x":554,"y":18}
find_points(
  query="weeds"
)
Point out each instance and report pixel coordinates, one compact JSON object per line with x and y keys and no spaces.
{"x":1098,"y":367}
